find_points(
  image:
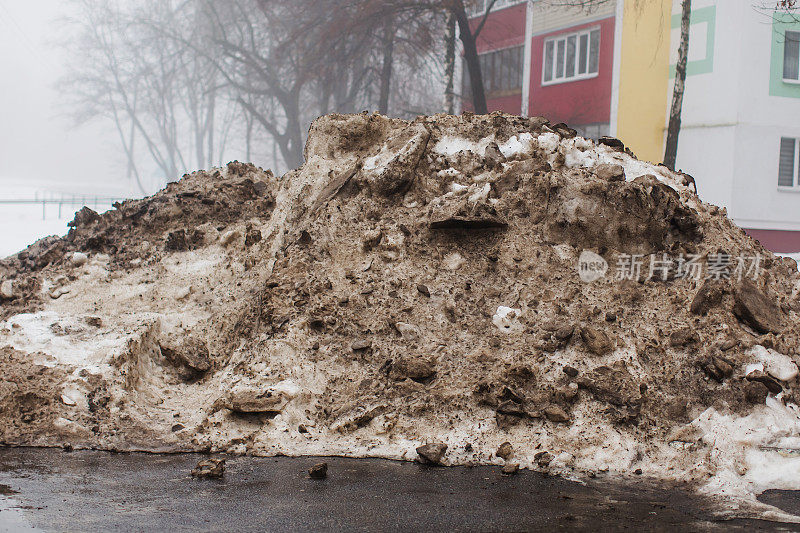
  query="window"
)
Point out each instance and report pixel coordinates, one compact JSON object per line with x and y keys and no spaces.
{"x":501,"y":71}
{"x":791,"y":56}
{"x":571,"y":57}
{"x":789,"y":163}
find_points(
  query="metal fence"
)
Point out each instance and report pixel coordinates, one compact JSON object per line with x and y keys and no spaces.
{"x":74,"y":201}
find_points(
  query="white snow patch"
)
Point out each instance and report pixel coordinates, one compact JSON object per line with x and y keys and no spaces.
{"x":453,"y":261}
{"x":507,"y":319}
{"x":450,"y":145}
{"x":481,"y":194}
{"x":518,"y":144}
{"x":753,"y":453}
{"x":548,"y":141}
{"x":777,"y":365}
{"x":66,"y":339}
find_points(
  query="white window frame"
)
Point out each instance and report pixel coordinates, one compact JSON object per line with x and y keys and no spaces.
{"x":564,"y":37}
{"x":795,"y":187}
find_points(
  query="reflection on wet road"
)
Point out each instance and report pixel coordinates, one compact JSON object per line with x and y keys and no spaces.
{"x":53,"y":490}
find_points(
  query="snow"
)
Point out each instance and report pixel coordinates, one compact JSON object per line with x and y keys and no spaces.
{"x":506,"y":319}
{"x":548,"y":141}
{"x":777,"y":365}
{"x":24,"y":224}
{"x":450,"y":145}
{"x":518,"y":144}
{"x":755,"y":452}
{"x":67,"y":339}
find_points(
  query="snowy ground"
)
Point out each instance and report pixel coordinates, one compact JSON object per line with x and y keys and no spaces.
{"x":22,"y":224}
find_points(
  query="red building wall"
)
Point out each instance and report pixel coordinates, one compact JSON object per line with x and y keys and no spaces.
{"x":574,"y":102}
{"x":779,"y":241}
{"x":503,"y":29}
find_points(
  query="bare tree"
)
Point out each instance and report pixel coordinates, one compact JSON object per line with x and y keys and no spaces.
{"x":179,"y":79}
{"x":450,"y":64}
{"x":469,"y":39}
{"x":154,"y":91}
{"x":674,"y":124}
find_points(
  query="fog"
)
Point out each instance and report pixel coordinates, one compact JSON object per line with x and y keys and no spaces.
{"x":39,"y":147}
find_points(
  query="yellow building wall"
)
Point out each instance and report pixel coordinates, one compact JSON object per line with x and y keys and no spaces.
{"x":644,"y":77}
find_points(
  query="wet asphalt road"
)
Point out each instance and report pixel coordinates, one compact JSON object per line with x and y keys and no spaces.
{"x":52,"y":490}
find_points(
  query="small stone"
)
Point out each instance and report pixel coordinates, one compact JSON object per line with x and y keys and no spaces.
{"x":772,"y":386}
{"x":543,"y":459}
{"x":564,"y":332}
{"x":509,"y":469}
{"x":556,"y":414}
{"x":302,"y":428}
{"x":84,"y":217}
{"x":249,"y":401}
{"x":612,"y":142}
{"x":252,"y":237}
{"x":432,"y":453}
{"x":318,"y":471}
{"x":409,"y":332}
{"x":611,"y":317}
{"x":415,"y":368}
{"x":709,"y":296}
{"x":229,"y":237}
{"x":423,"y":289}
{"x":510,"y":407}
{"x":492,"y":156}
{"x":756,"y":309}
{"x":638,"y":471}
{"x":505,"y":451}
{"x":176,"y":241}
{"x":683,"y":337}
{"x":68,"y":400}
{"x":189,"y":355}
{"x":755,"y":392}
{"x":361,"y":344}
{"x":610,"y":172}
{"x":570,"y":371}
{"x":564,"y":131}
{"x":7,"y":289}
{"x":724,"y":367}
{"x":177,"y":427}
{"x":596,"y":340}
{"x":209,"y":468}
{"x":371,"y":239}
{"x":729,"y":344}
{"x":78,"y":259}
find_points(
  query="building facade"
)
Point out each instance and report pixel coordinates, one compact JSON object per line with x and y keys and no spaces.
{"x":609,"y":70}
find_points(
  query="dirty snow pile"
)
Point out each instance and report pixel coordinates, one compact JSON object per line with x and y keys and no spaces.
{"x":414,"y":283}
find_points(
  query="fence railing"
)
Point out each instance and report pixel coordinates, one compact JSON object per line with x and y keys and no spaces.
{"x":69,"y":201}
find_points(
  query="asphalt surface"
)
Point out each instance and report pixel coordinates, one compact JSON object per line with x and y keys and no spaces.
{"x":54,"y":490}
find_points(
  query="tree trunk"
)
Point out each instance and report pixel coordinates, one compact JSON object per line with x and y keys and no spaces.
{"x":386,"y":71}
{"x":450,"y":65}
{"x":471,"y":57}
{"x":674,"y":128}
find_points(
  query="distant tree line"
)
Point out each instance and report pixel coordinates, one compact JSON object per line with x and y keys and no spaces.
{"x":184,"y":80}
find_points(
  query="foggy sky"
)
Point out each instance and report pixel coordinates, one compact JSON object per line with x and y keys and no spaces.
{"x":38,"y":146}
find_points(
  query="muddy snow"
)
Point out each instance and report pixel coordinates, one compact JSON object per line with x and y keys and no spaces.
{"x":416,"y":283}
